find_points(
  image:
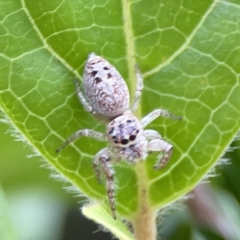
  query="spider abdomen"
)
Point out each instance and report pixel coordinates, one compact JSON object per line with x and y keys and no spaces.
{"x":104,"y":88}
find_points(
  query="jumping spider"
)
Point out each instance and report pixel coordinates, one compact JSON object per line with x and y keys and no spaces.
{"x":106,"y":97}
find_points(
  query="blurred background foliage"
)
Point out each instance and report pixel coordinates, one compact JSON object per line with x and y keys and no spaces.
{"x":35,"y":206}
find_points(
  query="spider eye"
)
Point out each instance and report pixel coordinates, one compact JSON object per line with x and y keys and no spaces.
{"x":132,"y":137}
{"x":124,"y":141}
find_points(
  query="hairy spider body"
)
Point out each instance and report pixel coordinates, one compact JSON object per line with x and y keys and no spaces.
{"x":126,"y":138}
{"x":106,"y":96}
{"x":104,"y":89}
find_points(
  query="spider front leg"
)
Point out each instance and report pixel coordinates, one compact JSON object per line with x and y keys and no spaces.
{"x":82,"y":99}
{"x":84,"y":132}
{"x":155,"y":114}
{"x":156,"y":144}
{"x":102,"y":162}
{"x":151,"y":134}
{"x":138,"y":91}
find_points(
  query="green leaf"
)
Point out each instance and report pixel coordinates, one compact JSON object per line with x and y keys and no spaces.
{"x":188,"y":53}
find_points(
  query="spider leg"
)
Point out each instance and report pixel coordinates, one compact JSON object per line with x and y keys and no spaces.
{"x":82,"y":99}
{"x":84,"y":132}
{"x":103,"y":159}
{"x":138,"y":91}
{"x":151,"y":134}
{"x":97,"y":167}
{"x":155,"y":114}
{"x":156,"y":144}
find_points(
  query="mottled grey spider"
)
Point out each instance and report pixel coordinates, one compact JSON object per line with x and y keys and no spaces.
{"x":106,"y":97}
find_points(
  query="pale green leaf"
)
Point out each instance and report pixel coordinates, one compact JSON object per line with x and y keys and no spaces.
{"x":99,"y":214}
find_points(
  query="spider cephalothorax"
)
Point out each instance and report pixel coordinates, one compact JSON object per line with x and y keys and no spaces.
{"x":126,"y":137}
{"x":106,"y":96}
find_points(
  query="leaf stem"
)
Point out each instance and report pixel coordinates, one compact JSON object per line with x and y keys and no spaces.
{"x":145,"y":221}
